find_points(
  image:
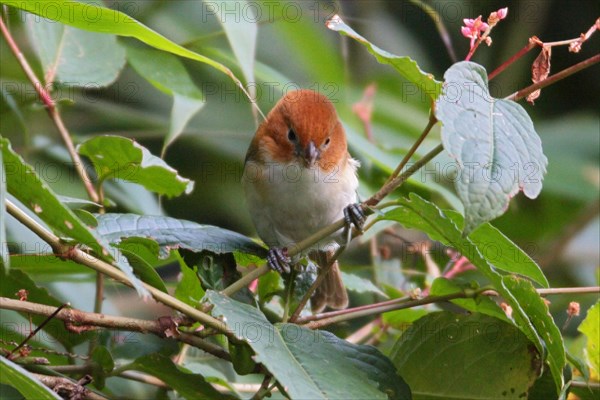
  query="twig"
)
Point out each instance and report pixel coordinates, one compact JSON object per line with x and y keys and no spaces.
{"x":320,"y":278}
{"x":50,"y":105}
{"x":320,"y":320}
{"x":77,"y":318}
{"x":89,"y":260}
{"x":554,"y":78}
{"x":34,"y":332}
{"x":67,"y":388}
{"x":264,"y":388}
{"x":533,"y":42}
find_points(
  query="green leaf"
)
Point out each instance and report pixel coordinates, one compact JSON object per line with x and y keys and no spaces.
{"x":407,"y":67}
{"x":360,"y":285}
{"x":186,"y":384}
{"x":122,"y":158}
{"x":590,"y":327}
{"x":189,"y":290}
{"x":26,"y":186}
{"x":171,"y":233}
{"x":378,"y":368}
{"x":401,"y":319}
{"x":47,"y":264}
{"x":493,"y":141}
{"x":15,"y":280}
{"x":16,"y":376}
{"x":167,"y":73}
{"x":241,"y":32}
{"x":4,"y":254}
{"x":103,"y":365}
{"x":501,"y":251}
{"x":529,"y":310}
{"x":105,"y":20}
{"x":308,"y":364}
{"x":481,"y":304}
{"x":445,"y":355}
{"x":73,"y":56}
{"x":137,"y":251}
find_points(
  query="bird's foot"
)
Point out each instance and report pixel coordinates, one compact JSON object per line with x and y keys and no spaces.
{"x":353,"y":215}
{"x":278,"y":260}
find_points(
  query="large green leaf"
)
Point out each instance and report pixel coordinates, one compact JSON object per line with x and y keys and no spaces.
{"x":122,"y":158}
{"x":590,"y":327}
{"x":310,"y":364}
{"x":529,"y":310}
{"x":407,"y":67}
{"x":104,"y":20}
{"x":189,"y":290}
{"x":34,"y":264}
{"x":468,"y":357}
{"x":73,"y":56}
{"x":26,"y":186}
{"x":16,"y":376}
{"x":185,"y":383}
{"x":172,"y":233}
{"x":500,"y":251}
{"x":493,"y":141}
{"x":166,"y":73}
{"x":241,"y":32}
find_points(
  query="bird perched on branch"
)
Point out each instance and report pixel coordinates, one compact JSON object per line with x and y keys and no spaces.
{"x":299,"y":178}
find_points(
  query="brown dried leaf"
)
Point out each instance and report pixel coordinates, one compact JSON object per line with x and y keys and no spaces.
{"x":540,"y":69}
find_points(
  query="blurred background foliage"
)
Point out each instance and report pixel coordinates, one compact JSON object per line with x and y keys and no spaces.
{"x":294,"y":49}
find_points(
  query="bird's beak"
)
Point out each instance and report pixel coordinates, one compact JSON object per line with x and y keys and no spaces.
{"x":311,"y":154}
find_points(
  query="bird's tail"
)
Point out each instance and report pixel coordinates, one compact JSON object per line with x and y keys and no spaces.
{"x":331,"y":292}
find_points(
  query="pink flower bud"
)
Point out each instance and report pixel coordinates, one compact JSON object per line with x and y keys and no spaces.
{"x":466,"y":31}
{"x":502,"y":13}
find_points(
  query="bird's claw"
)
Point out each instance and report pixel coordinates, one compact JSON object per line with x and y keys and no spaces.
{"x":353,"y":215}
{"x":278,"y":260}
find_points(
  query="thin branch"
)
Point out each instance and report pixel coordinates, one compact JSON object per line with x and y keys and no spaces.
{"x":569,"y":290}
{"x":90,"y":261}
{"x":320,"y":278}
{"x":50,"y":105}
{"x":533,"y":42}
{"x":430,"y":124}
{"x":67,"y":388}
{"x":320,"y":320}
{"x":555,"y":78}
{"x":386,"y":307}
{"x":76,"y":318}
{"x":36,"y":330}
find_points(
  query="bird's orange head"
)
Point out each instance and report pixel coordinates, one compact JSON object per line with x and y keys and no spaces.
{"x":303,"y":126}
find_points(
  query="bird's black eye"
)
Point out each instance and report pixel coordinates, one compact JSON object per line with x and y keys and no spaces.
{"x":292,"y":137}
{"x":327,"y":141}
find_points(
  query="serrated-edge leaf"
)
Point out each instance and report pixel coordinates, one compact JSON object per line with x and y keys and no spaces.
{"x":292,"y":370}
{"x":122,"y":158}
{"x":114,"y":22}
{"x":171,"y":233}
{"x":493,"y":141}
{"x":502,"y":252}
{"x":589,"y":327}
{"x":538,"y":327}
{"x":16,"y":376}
{"x":407,"y":67}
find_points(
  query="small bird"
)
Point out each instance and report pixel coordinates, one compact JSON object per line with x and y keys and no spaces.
{"x":298,"y":178}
